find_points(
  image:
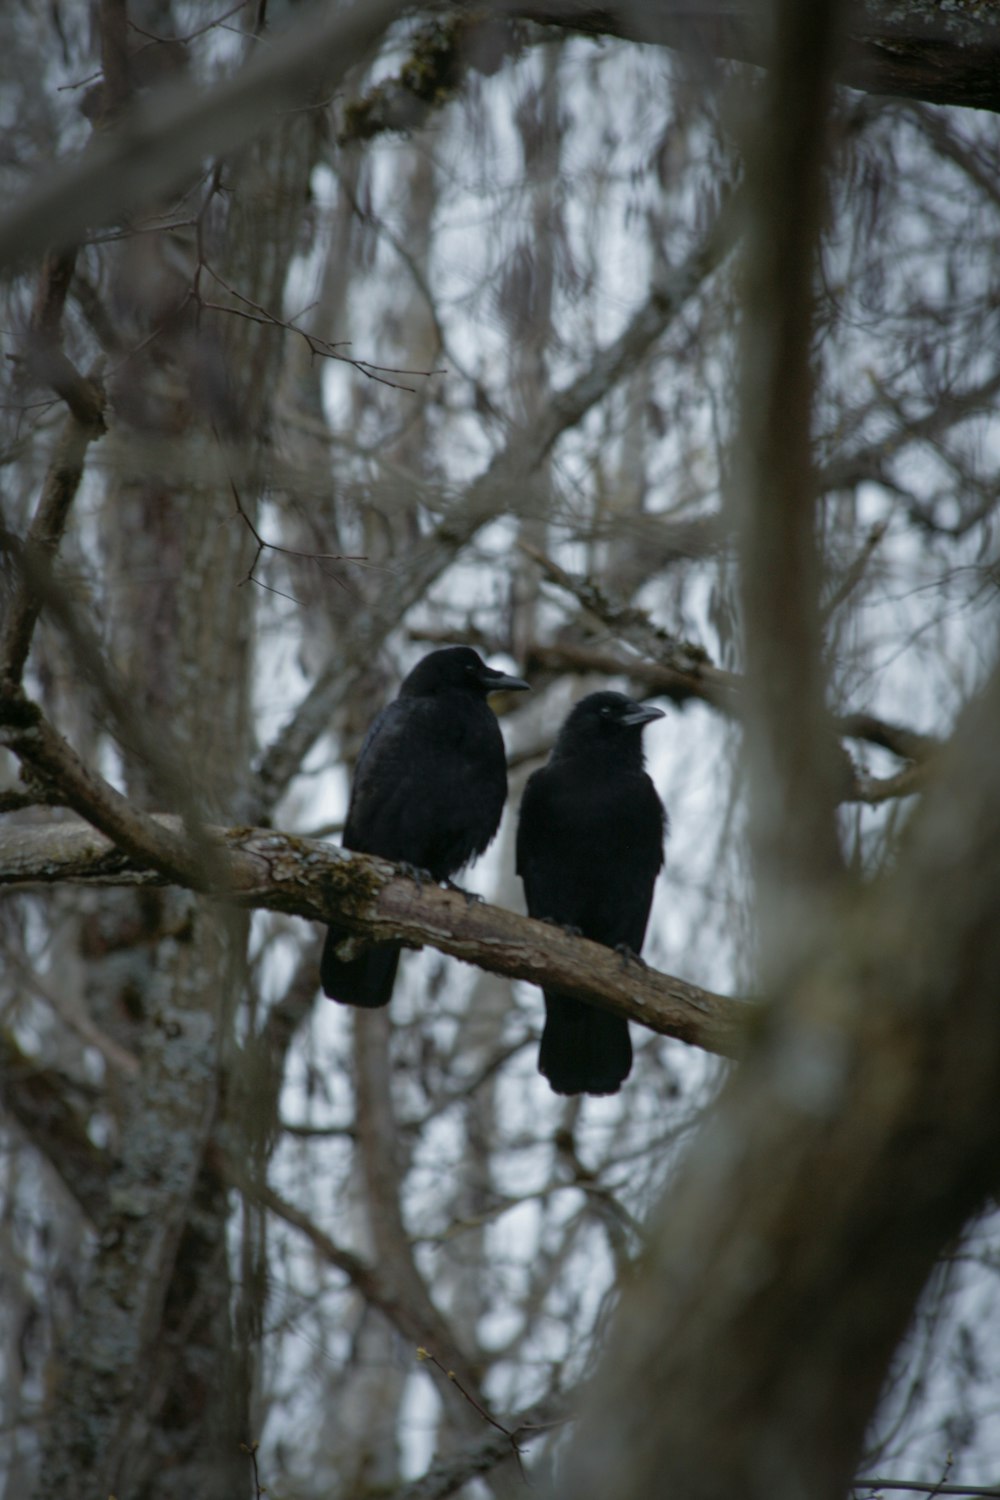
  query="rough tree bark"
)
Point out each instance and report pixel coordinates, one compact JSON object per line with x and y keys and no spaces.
{"x":920,"y":49}
{"x":152,"y":1397}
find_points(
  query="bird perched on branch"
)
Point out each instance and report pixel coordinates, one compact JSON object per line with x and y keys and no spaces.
{"x":589,"y":847}
{"x":428,"y":791}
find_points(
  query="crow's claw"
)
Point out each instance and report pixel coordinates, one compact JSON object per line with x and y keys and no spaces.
{"x":563,"y":926}
{"x":628,"y":955}
{"x":471,"y":897}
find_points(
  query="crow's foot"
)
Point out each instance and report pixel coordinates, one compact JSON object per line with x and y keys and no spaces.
{"x":471,"y":897}
{"x":628,"y":955}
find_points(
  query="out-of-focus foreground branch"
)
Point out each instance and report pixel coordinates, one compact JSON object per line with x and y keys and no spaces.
{"x":861,"y":1131}
{"x":843,"y":1156}
{"x":159,"y":141}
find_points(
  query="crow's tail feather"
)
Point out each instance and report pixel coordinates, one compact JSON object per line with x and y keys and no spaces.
{"x":584,"y":1050}
{"x":366,"y":980}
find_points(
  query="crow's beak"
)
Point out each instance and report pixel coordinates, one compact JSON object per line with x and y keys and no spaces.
{"x":499,"y":682}
{"x":642,"y":714}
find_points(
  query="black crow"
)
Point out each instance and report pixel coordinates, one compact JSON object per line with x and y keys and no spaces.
{"x":589,"y":846}
{"x":429,"y":788}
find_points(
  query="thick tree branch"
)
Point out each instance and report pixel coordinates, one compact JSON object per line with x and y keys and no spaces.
{"x":662,"y":680}
{"x":920,"y":49}
{"x":688,"y":669}
{"x":161,"y":845}
{"x":301,"y":877}
{"x":907,"y":743}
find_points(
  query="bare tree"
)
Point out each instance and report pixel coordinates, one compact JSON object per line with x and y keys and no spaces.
{"x":634,"y":345}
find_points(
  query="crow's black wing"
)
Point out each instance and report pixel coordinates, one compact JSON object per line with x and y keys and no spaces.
{"x":589,"y":849}
{"x":429,"y":789}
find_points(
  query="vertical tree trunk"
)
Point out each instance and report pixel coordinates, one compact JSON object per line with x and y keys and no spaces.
{"x":152,"y":1397}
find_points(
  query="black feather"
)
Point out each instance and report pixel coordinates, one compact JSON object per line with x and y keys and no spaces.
{"x":589,"y":847}
{"x":429,"y":788}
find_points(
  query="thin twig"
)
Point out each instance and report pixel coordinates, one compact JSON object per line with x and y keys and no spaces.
{"x":191,"y":35}
{"x":426,"y":1357}
{"x":264,"y":545}
{"x":251,"y":1448}
{"x":316,"y":344}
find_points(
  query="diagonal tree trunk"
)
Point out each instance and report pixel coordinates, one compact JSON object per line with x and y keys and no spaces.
{"x":862,"y":1132}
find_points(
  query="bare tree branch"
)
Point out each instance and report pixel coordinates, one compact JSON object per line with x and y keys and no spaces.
{"x":450,"y":1475}
{"x":365,"y":1278}
{"x":39,"y":1099}
{"x":382,"y":1173}
{"x":926,"y":49}
{"x":159,"y":140}
{"x":273,"y":871}
{"x":26,"y":731}
{"x":504,"y":487}
{"x":44,"y":355}
{"x":682,"y":670}
{"x":42,"y":542}
{"x":915,"y":1487}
